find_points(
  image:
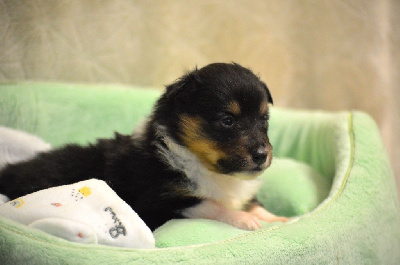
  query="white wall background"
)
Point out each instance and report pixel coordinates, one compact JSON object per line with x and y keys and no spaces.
{"x":315,"y":54}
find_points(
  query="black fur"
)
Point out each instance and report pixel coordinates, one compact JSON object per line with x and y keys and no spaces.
{"x":132,"y":166}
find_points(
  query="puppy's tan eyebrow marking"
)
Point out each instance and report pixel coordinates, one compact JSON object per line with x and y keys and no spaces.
{"x":234,"y":107}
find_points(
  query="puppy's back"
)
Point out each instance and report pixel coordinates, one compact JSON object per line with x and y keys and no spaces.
{"x":67,"y":165}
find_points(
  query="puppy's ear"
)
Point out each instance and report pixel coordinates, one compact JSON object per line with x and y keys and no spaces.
{"x":180,"y":90}
{"x":269,"y":97}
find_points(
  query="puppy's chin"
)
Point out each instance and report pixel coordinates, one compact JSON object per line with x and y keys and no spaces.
{"x":247,"y":171}
{"x":247,"y":175}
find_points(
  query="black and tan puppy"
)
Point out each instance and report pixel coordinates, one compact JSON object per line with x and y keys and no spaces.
{"x":198,"y":155}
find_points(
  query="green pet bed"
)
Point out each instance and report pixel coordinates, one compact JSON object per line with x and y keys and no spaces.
{"x":330,"y":173}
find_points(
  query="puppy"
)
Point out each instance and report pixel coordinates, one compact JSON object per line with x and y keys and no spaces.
{"x":198,"y":156}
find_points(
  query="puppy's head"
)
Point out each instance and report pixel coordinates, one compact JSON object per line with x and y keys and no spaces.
{"x":220,"y":113}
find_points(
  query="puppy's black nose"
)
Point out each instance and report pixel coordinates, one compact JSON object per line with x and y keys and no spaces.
{"x":260,"y":156}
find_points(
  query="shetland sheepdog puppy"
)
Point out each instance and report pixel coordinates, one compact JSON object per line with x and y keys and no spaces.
{"x":198,"y":155}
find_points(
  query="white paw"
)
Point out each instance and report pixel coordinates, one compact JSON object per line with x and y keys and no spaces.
{"x":266,"y":216}
{"x":244,"y":220}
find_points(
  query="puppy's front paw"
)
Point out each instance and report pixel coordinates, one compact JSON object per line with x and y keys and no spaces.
{"x":244,"y":220}
{"x":213,"y":210}
{"x":266,"y":216}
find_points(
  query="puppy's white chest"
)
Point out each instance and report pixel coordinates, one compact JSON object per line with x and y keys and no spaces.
{"x":230,"y":192}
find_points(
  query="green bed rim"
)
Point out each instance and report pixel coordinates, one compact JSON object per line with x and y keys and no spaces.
{"x":322,"y":207}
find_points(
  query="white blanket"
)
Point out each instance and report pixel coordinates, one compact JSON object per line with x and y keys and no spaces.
{"x":87,"y":212}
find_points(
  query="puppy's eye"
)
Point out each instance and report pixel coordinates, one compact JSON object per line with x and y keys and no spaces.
{"x":227,"y":121}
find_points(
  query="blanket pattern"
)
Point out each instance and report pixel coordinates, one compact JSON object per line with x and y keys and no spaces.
{"x":86,"y":212}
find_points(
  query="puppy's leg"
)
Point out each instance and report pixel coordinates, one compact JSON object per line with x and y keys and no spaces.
{"x":255,"y":208}
{"x":209,"y":209}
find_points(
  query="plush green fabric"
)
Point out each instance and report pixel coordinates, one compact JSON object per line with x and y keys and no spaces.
{"x":61,"y":113}
{"x":358,"y":223}
{"x":297,"y":187}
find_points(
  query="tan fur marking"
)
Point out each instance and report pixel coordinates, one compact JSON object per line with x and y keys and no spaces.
{"x":234,"y":107}
{"x":264,"y":107}
{"x":195,"y":140}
